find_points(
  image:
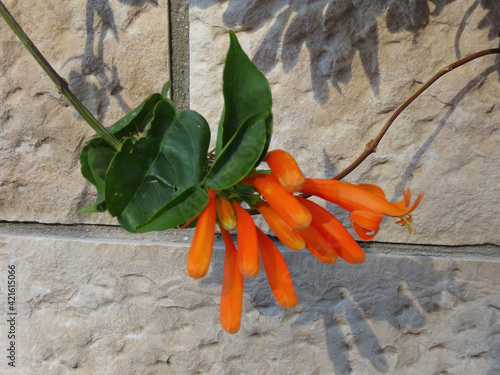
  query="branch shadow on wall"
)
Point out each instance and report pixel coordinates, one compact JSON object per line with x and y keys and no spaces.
{"x":96,"y":96}
{"x":351,"y":299}
{"x":490,"y":21}
{"x":333,"y":31}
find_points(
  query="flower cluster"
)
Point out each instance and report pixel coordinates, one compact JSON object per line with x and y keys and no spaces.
{"x":299,"y":223}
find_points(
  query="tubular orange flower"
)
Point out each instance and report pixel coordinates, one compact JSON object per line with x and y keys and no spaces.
{"x":363,"y":197}
{"x":225,"y":212}
{"x":365,"y":224}
{"x":232,"y":287}
{"x":290,"y":237}
{"x":277,"y":272}
{"x":366,"y":202}
{"x":283,"y":203}
{"x":334,"y":232}
{"x":248,"y":249}
{"x":318,"y":245}
{"x":285,"y":168}
{"x":203,"y":240}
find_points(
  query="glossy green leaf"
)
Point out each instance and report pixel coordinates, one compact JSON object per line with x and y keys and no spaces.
{"x":149,"y":172}
{"x":178,"y":211}
{"x":98,"y":161}
{"x":245,"y":192}
{"x":246,"y":93}
{"x":240,"y":154}
{"x":165,"y":89}
{"x":134,"y":122}
{"x":99,"y":206}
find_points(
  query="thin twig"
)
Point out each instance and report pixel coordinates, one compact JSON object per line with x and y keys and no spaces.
{"x":371,"y":146}
{"x":60,"y":82}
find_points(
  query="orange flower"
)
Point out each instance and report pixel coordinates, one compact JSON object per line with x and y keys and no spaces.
{"x":318,"y":245}
{"x":232,"y":287}
{"x":334,"y":232}
{"x":283,"y":203}
{"x":290,"y":237}
{"x":276,"y":271}
{"x":225,"y":212}
{"x":285,"y":168}
{"x":248,"y":249}
{"x":366,"y":202}
{"x":203,"y":240}
{"x":298,"y":223}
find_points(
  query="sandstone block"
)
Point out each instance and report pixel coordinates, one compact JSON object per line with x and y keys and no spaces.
{"x":113,"y":54}
{"x":121,"y":306}
{"x":338,"y":69}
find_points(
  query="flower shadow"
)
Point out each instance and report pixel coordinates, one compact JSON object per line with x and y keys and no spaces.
{"x":355,"y":300}
{"x":362,"y":307}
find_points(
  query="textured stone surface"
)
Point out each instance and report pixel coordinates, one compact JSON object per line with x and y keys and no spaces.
{"x":338,"y":69}
{"x":113,"y":54}
{"x":110,"y":306}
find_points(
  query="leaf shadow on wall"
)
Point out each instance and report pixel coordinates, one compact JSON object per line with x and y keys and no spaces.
{"x":490,"y":21}
{"x":333,"y":31}
{"x":350,"y":300}
{"x":96,"y":96}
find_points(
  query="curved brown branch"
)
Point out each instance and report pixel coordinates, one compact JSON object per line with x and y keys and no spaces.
{"x":371,"y":147}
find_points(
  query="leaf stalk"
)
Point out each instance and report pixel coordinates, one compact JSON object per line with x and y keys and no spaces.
{"x":61,"y":84}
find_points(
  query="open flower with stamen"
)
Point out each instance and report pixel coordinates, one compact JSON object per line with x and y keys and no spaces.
{"x":298,"y":222}
{"x":367,"y":203}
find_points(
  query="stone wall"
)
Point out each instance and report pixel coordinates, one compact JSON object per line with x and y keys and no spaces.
{"x":92,"y":299}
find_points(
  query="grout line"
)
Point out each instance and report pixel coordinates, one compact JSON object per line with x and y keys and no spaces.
{"x":177,"y":237}
{"x":179,"y":52}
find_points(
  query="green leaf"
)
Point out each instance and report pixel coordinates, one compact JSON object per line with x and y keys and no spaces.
{"x":165,"y":89}
{"x":98,"y":162}
{"x":137,"y":120}
{"x":133,"y":122}
{"x":149,"y":172}
{"x":99,"y":159}
{"x":245,"y":192}
{"x":99,"y":206}
{"x":178,"y":211}
{"x":246,"y":93}
{"x":240,"y":155}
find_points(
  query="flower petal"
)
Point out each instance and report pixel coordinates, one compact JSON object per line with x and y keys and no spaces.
{"x":225,"y":212}
{"x":352,"y":197}
{"x":290,"y":237}
{"x":277,"y":272}
{"x":374,"y":189}
{"x":203,"y":240}
{"x":248,"y":248}
{"x":283,"y":203}
{"x":232,"y":287}
{"x":365,"y":224}
{"x":318,"y":245}
{"x":334,"y":232}
{"x":285,"y":168}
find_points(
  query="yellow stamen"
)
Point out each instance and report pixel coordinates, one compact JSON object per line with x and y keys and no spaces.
{"x":407,"y":220}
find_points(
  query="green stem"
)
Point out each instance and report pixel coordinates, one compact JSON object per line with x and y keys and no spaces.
{"x":60,"y":82}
